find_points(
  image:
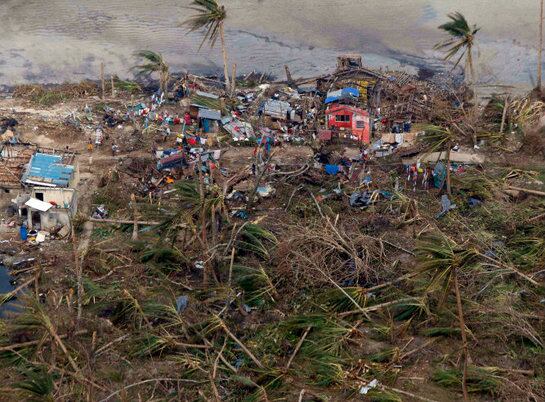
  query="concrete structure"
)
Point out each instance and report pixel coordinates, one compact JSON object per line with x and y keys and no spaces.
{"x":48,"y":199}
{"x":349,"y":118}
{"x":47,"y":208}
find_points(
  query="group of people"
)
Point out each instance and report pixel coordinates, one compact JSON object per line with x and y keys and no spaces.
{"x":424,"y":174}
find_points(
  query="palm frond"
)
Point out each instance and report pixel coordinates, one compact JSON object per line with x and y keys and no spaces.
{"x":150,"y":345}
{"x":457,"y":26}
{"x":210,"y":16}
{"x":479,"y":379}
{"x":256,"y":284}
{"x":256,"y":240}
{"x":441,"y":256}
{"x":37,"y":385}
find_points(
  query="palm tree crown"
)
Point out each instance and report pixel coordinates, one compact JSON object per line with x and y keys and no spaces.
{"x":441,"y":256}
{"x":437,"y":138}
{"x":153,"y":63}
{"x":210,"y":16}
{"x":461,"y":41}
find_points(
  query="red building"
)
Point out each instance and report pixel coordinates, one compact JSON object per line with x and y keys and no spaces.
{"x":349,"y":118}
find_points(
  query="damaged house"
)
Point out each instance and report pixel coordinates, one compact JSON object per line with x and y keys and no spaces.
{"x":49,"y":199}
{"x":13,"y":159}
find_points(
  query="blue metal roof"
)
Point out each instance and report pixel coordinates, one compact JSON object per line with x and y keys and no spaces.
{"x":48,"y":169}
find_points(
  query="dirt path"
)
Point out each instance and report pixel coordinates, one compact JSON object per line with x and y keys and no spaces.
{"x":85,"y":239}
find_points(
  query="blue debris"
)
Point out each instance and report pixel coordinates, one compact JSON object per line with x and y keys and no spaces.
{"x":446,"y":206}
{"x":181,"y":303}
{"x":241,"y":214}
{"x":473,"y":202}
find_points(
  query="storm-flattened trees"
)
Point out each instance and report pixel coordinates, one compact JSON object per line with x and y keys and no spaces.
{"x":443,"y":259}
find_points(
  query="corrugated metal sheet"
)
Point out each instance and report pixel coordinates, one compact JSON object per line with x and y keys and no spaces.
{"x":239,"y":130}
{"x":39,"y":205}
{"x":48,"y":170}
{"x":209,"y":114}
{"x":276,"y":109}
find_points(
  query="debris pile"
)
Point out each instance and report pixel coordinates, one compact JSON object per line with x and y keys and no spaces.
{"x":313,"y":239}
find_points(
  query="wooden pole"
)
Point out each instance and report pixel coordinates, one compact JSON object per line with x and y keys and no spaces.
{"x":79,"y":271}
{"x":288,"y":75}
{"x":462,"y":323}
{"x":540,"y":48}
{"x":102,"y":83}
{"x":135,"y":218}
{"x":449,"y":192}
{"x":113,"y":86}
{"x":127,"y":222}
{"x":504,"y":115}
{"x":527,"y":190}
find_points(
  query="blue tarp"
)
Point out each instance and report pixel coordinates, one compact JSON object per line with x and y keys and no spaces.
{"x":332,"y":169}
{"x":439,"y":175}
{"x":345,"y":93}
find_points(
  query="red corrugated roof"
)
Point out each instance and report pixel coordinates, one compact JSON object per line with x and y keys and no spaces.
{"x":345,"y":108}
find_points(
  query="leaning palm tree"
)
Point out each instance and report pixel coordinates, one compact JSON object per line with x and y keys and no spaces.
{"x":439,"y":139}
{"x":443,"y":259}
{"x":461,"y":41}
{"x":210,"y":16}
{"x":154,"y":63}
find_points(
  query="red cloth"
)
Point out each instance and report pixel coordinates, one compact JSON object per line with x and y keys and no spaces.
{"x":192,"y":141}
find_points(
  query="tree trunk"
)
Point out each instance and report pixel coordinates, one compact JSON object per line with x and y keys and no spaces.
{"x":164,"y":79}
{"x":78,"y":267}
{"x":449,"y":146}
{"x":225,"y":61}
{"x":234,"y":80}
{"x":462,"y":323}
{"x":205,"y":276}
{"x":288,"y":75}
{"x":472,"y":85}
{"x":540,"y":48}
{"x":135,"y":218}
{"x":102,"y":83}
{"x":504,"y":114}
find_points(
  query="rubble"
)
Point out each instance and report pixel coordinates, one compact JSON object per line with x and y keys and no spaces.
{"x":243,"y":232}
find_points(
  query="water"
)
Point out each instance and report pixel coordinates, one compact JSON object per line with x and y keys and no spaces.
{"x":5,"y":286}
{"x":65,"y":40}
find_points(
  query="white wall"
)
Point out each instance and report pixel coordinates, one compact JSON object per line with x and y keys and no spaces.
{"x":63,"y":197}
